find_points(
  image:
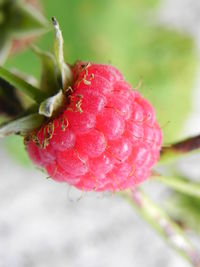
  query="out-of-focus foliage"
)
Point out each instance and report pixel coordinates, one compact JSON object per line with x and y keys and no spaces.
{"x":18,"y":22}
{"x":126,"y":34}
{"x":9,"y":101}
{"x":15,"y":147}
{"x":186,"y":210}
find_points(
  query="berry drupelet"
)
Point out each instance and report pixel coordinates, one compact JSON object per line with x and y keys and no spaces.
{"x":106,"y":138}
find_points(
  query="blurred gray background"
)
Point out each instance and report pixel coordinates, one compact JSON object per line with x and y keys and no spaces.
{"x":44,"y":223}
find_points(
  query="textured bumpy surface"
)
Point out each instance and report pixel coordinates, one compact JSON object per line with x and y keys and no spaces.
{"x":106,"y":139}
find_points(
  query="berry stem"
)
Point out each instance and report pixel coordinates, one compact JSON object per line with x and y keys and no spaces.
{"x":163,"y":225}
{"x":28,"y":89}
{"x":179,"y":149}
{"x":180,"y":184}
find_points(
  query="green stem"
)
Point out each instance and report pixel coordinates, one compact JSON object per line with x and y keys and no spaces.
{"x":34,"y":93}
{"x":179,"y":149}
{"x":180,"y":184}
{"x":163,"y":225}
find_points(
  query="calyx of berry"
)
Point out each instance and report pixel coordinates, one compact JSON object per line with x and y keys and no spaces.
{"x":50,"y":98}
{"x":61,"y":74}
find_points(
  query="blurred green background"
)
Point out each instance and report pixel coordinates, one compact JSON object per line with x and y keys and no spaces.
{"x":127,"y":35}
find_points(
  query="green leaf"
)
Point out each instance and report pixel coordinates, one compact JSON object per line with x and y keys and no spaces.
{"x":21,"y":125}
{"x":28,"y":89}
{"x":16,"y":149}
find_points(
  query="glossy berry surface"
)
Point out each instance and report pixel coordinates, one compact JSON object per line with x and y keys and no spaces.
{"x":107,"y":138}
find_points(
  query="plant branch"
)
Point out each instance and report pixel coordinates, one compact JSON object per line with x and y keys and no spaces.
{"x":176,"y":150}
{"x":163,"y":225}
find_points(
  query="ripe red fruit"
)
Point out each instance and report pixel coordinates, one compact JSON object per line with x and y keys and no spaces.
{"x":107,"y":137}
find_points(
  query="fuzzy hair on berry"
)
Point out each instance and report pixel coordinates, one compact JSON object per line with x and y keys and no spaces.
{"x":106,"y":138}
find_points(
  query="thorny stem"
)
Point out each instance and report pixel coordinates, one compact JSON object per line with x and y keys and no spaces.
{"x":163,"y":225}
{"x":179,"y":149}
{"x":180,"y":184}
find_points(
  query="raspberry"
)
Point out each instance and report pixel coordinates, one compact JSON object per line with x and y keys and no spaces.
{"x":107,"y":137}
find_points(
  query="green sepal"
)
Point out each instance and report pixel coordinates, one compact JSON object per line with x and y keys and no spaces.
{"x":64,"y":72}
{"x":31,"y":91}
{"x":22,"y":125}
{"x":49,"y":80}
{"x":52,"y":105}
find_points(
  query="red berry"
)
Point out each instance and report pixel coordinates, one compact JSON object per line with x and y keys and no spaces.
{"x":107,"y":138}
